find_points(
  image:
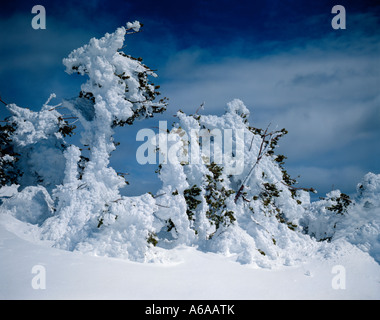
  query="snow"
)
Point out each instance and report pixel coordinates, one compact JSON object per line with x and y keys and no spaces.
{"x":232,"y":228}
{"x":135,"y":26}
{"x":190,"y":274}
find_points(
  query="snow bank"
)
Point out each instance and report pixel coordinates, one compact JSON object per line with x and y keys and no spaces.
{"x":358,"y":223}
{"x":361,"y":227}
{"x":193,"y":275}
{"x":32,"y":205}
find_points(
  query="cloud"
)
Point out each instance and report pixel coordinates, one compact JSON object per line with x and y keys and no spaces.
{"x":322,"y":97}
{"x":325,"y":91}
{"x":31,"y":60}
{"x":325,"y":180}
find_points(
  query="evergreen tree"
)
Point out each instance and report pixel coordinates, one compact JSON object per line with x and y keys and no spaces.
{"x":118,"y":91}
{"x":9,"y":174}
{"x":38,"y":139}
{"x":208,"y":206}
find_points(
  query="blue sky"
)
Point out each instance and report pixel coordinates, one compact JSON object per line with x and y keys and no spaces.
{"x":282,"y":58}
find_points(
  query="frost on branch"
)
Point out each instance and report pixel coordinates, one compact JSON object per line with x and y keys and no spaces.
{"x":9,"y":174}
{"x":118,"y":86}
{"x":39,"y":138}
{"x":118,"y":91}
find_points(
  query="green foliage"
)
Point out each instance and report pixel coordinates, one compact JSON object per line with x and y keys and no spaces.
{"x":100,"y":222}
{"x":65,"y":128}
{"x":192,"y":202}
{"x":152,"y":239}
{"x":341,"y":205}
{"x":9,"y":173}
{"x":82,"y":166}
{"x":170,"y":225}
{"x":268,"y":196}
{"x":216,"y":196}
{"x":268,"y":138}
{"x":145,"y":108}
{"x":87,"y":95}
{"x":270,"y":190}
{"x":282,"y":219}
{"x":261,"y":252}
{"x":275,"y":138}
{"x":280,"y":159}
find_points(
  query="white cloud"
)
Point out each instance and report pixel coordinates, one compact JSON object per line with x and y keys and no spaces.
{"x":315,"y":92}
{"x":325,"y":180}
{"x":325,"y":92}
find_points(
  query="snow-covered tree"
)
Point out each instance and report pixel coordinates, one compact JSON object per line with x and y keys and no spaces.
{"x":75,"y":196}
{"x":9,"y":174}
{"x":252,"y":212}
{"x":38,"y":139}
{"x":118,"y":91}
{"x":357,"y":219}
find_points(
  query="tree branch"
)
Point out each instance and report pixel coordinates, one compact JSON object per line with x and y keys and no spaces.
{"x":262,"y":151}
{"x":295,"y":188}
{"x":1,"y":100}
{"x":160,"y":205}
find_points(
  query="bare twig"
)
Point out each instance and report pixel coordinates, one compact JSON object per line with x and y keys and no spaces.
{"x":82,"y":186}
{"x":160,"y":205}
{"x":295,"y":188}
{"x":245,"y":199}
{"x":122,"y":173}
{"x":262,"y":152}
{"x":264,"y":136}
{"x":160,"y":129}
{"x":1,"y":100}
{"x":132,"y":32}
{"x":201,"y":107}
{"x":67,"y":118}
{"x":159,"y":195}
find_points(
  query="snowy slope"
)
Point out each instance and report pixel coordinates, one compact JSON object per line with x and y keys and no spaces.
{"x":191,"y":274}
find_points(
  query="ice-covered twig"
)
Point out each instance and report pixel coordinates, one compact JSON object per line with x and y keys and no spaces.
{"x":70,"y":124}
{"x":52,"y":96}
{"x":132,"y":28}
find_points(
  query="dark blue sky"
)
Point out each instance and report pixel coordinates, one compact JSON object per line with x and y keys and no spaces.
{"x":282,"y":58}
